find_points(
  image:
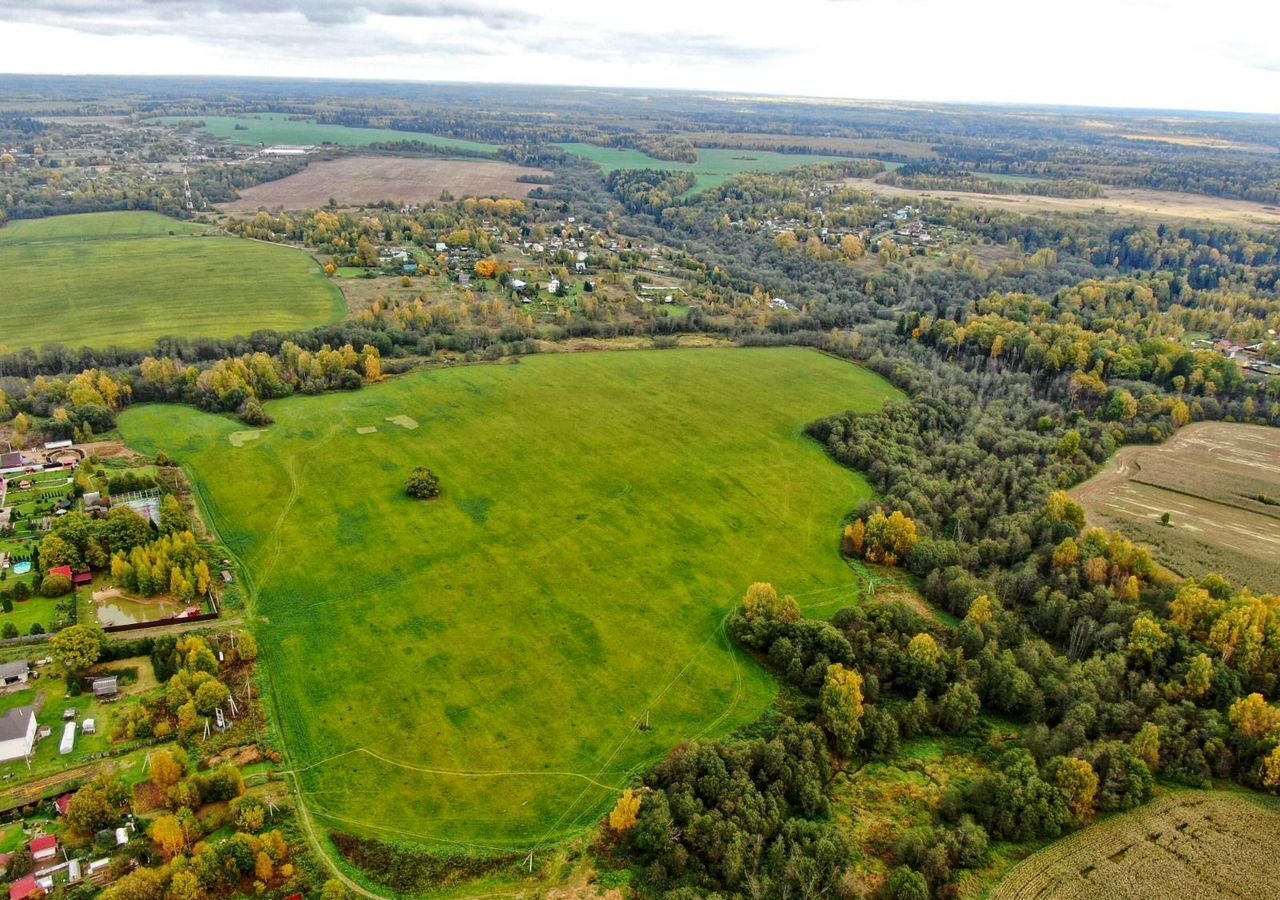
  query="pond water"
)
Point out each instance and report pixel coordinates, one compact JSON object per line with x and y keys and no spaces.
{"x":128,"y":611}
{"x":22,"y":568}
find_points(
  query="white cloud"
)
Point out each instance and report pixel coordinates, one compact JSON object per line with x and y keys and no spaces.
{"x":1174,"y":54}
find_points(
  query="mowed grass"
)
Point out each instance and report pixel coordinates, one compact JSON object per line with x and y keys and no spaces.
{"x":125,"y":279}
{"x":276,"y":128}
{"x":713,"y":168}
{"x":474,"y":669}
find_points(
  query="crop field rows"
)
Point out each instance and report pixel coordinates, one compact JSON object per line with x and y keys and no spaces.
{"x":491,"y":667}
{"x":1189,"y":844}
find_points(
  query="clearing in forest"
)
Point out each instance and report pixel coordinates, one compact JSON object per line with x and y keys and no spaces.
{"x":491,"y":667}
{"x":1220,"y":484}
{"x":1197,"y":844}
{"x":356,"y":180}
{"x":124,"y":279}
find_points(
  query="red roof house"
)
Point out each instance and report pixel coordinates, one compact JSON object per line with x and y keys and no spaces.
{"x":81,"y":578}
{"x":62,"y":570}
{"x":24,"y":888}
{"x":43,"y":848}
{"x":62,"y":804}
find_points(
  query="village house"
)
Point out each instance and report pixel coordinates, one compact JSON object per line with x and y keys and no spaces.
{"x":43,"y":848}
{"x":17,"y":733}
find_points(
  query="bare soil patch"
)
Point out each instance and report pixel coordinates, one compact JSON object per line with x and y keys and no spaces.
{"x":1219,"y":482}
{"x":1193,"y":844}
{"x":1124,"y":202}
{"x":354,"y":180}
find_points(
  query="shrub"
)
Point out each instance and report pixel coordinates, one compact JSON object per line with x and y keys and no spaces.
{"x":55,"y":586}
{"x":423,"y":484}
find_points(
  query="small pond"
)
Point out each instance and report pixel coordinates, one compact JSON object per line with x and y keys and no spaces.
{"x":121,"y":610}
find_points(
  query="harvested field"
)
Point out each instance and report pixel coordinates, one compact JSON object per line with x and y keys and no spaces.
{"x":1210,"y":477}
{"x":355,"y":180}
{"x":1121,"y":202}
{"x":1196,"y":844}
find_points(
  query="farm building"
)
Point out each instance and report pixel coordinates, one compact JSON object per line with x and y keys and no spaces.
{"x":14,"y":675}
{"x":43,"y":848}
{"x":12,"y":461}
{"x":68,"y":742}
{"x":62,"y":804}
{"x":105,"y":688}
{"x":17,"y":733}
{"x":64,"y":571}
{"x":288,"y":150}
{"x":58,"y":445}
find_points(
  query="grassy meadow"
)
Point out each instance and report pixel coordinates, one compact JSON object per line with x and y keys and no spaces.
{"x":277,"y":128}
{"x":127,"y":278}
{"x":479,"y":670}
{"x":713,"y":168}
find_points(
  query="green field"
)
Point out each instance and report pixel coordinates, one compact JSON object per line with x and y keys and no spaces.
{"x":127,"y":278}
{"x":713,"y":168}
{"x":276,"y":128}
{"x":472,"y":670}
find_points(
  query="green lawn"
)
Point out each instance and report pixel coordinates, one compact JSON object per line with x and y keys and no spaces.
{"x":276,"y":128}
{"x":496,"y":648}
{"x":713,"y":168}
{"x":120,"y":279}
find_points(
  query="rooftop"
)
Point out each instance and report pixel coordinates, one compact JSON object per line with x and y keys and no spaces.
{"x":15,"y":722}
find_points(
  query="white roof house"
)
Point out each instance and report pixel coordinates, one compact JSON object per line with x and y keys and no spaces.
{"x":17,"y":733}
{"x":89,"y":727}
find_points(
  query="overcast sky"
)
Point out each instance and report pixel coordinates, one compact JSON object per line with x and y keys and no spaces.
{"x":1173,"y":54}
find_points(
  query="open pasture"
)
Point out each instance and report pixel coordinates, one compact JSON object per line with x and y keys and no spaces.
{"x":125,"y":279}
{"x":1210,"y":478}
{"x":277,"y":128}
{"x":355,"y":180}
{"x":713,"y":168}
{"x":1188,"y":844}
{"x":490,"y":668}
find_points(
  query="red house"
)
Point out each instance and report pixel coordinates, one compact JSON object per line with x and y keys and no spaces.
{"x":82,"y":578}
{"x":62,"y":804}
{"x":62,"y":570}
{"x":24,"y":888}
{"x":43,"y":848}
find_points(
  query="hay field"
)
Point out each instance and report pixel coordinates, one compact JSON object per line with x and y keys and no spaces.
{"x":124,"y":279}
{"x":1208,"y":477}
{"x":1193,"y":844}
{"x":1120,"y":202}
{"x":356,"y":180}
{"x":475,"y":669}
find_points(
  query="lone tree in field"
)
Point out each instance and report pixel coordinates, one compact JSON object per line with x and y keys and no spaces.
{"x":423,"y":484}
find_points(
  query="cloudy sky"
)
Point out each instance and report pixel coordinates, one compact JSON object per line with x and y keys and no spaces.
{"x":1152,"y":53}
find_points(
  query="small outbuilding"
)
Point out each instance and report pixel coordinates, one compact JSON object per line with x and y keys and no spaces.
{"x":13,"y":676}
{"x":106,"y":688}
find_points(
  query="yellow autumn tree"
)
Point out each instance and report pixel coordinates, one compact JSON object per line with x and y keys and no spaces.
{"x":625,"y":812}
{"x":1254,"y":717}
{"x":842,"y":706}
{"x":1079,"y":784}
{"x":1271,"y":770}
{"x":763,"y":602}
{"x":168,"y":835}
{"x":1146,"y":743}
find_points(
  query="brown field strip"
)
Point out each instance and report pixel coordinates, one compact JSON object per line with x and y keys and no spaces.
{"x":353,"y":180}
{"x":1197,"y":844}
{"x":1126,"y":202}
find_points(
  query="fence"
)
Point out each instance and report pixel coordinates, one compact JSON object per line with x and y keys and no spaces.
{"x":156,"y":623}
